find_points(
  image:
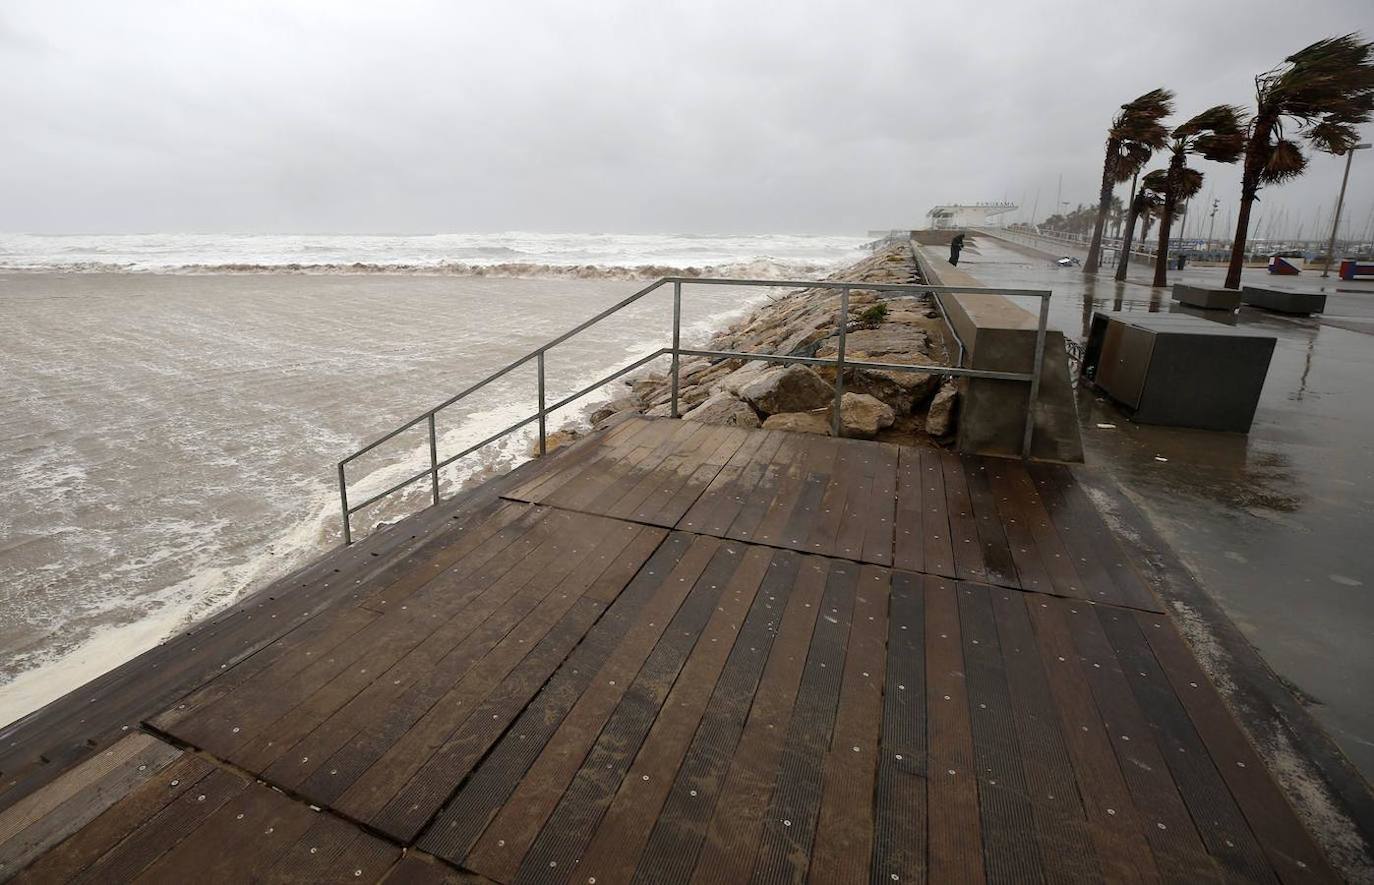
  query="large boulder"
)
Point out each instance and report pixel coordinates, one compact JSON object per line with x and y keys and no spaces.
{"x":554,"y":440}
{"x":940,"y":418}
{"x":863,"y":416}
{"x":888,"y":339}
{"x":724,"y":409}
{"x":903,"y":391}
{"x":800,"y":422}
{"x":790,"y":389}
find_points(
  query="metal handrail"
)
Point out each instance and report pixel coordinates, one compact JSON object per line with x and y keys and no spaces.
{"x":677,"y":352}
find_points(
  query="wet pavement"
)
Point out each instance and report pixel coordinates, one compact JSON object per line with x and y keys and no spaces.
{"x":1276,"y":524}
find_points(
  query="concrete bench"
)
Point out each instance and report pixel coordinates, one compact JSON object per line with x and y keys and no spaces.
{"x":1296,"y":303}
{"x":1207,"y":297}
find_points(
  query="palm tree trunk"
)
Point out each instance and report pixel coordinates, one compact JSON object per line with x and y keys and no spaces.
{"x":1127,"y":237}
{"x":1104,"y":204}
{"x":1166,"y":221}
{"x":1248,"y":192}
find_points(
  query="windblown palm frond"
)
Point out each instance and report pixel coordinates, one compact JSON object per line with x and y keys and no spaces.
{"x":1286,"y":161}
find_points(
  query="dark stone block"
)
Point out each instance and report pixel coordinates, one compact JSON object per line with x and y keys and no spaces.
{"x":1297,"y":303}
{"x":1207,"y":297}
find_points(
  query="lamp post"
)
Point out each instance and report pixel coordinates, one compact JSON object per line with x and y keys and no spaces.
{"x":1336,"y":221}
{"x":1212,"y":222}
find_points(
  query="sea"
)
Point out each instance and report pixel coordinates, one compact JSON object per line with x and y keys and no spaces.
{"x":174,"y":406}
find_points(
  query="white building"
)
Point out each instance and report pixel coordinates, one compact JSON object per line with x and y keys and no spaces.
{"x":960,"y":215}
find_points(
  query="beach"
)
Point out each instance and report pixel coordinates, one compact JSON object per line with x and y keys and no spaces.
{"x":170,"y":435}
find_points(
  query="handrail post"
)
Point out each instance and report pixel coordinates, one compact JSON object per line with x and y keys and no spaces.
{"x":836,"y":425}
{"x":677,"y":335}
{"x":1035,"y":376}
{"x":433,"y":459}
{"x":343,"y":504}
{"x":543,"y":437}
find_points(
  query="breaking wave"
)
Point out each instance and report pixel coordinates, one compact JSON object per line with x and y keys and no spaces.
{"x":757,"y":269}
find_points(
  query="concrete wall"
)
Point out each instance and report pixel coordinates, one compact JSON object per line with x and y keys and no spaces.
{"x":999,"y":335}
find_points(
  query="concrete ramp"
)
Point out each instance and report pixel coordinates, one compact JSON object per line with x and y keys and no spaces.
{"x":999,"y":335}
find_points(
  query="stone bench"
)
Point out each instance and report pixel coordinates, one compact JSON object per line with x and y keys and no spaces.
{"x":1279,"y":301}
{"x":1207,"y":297}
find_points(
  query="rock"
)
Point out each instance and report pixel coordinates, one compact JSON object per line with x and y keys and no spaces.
{"x":863,"y":416}
{"x":903,"y":391}
{"x":800,"y":422}
{"x":619,"y":404}
{"x":940,"y":418}
{"x":554,"y":440}
{"x":732,"y":382}
{"x":791,"y":389}
{"x":617,"y":418}
{"x":725,"y":409}
{"x":880,"y":342}
{"x":662,"y":410}
{"x":648,"y":386}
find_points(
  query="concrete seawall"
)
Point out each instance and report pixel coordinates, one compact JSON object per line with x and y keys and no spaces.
{"x":999,"y":335}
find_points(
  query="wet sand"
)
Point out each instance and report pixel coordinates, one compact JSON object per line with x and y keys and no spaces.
{"x":1276,"y":523}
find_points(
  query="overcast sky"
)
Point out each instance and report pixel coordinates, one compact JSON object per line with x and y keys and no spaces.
{"x":702,"y":116}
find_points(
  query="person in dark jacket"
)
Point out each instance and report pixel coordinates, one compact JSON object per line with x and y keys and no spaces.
{"x":956,"y":246}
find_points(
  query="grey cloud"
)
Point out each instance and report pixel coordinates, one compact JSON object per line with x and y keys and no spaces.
{"x":608,"y":115}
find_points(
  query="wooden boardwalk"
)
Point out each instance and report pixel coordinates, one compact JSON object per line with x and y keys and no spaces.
{"x":687,"y":653}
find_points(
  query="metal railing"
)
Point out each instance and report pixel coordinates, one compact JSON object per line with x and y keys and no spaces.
{"x":677,"y":352}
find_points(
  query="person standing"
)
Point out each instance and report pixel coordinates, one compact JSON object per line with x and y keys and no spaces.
{"x":956,"y":246}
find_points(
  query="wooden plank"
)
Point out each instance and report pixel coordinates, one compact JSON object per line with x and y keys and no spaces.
{"x":715,"y":509}
{"x":569,"y":828}
{"x":159,"y":834}
{"x":66,"y":861}
{"x":1167,"y":825}
{"x":858,"y":503}
{"x":237,"y":842}
{"x":845,"y":831}
{"x":1117,"y":828}
{"x":409,"y":643}
{"x":998,"y":566}
{"x":772,"y":482}
{"x":1218,"y":820}
{"x":1287,"y":844}
{"x":1067,"y":852}
{"x":795,"y":531}
{"x":909,"y":536}
{"x":732,"y":837}
{"x":967,"y":546}
{"x":789,"y":826}
{"x":416,"y":869}
{"x":955,"y":834}
{"x":1027,"y":558}
{"x":325,"y":763}
{"x":43,"y":819}
{"x":788,"y":484}
{"x":1029,"y":510}
{"x":899,"y":826}
{"x":680,"y":828}
{"x":595,"y":490}
{"x":936,"y":532}
{"x":267,"y":716}
{"x":1009,"y":835}
{"x":880,"y":524}
{"x":502,"y":847}
{"x":723,"y":522}
{"x":615,"y":847}
{"x":463,"y":820}
{"x":332,"y":850}
{"x":681,"y":455}
{"x":676,"y":505}
{"x":1088,"y":539}
{"x":586,"y":455}
{"x":401,"y":755}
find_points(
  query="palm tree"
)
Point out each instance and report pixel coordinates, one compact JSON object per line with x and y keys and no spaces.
{"x":1326,"y":91}
{"x":1136,"y":133}
{"x":1142,"y":204}
{"x":1216,"y":134}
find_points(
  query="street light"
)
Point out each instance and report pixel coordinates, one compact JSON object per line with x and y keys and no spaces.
{"x":1336,"y":222}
